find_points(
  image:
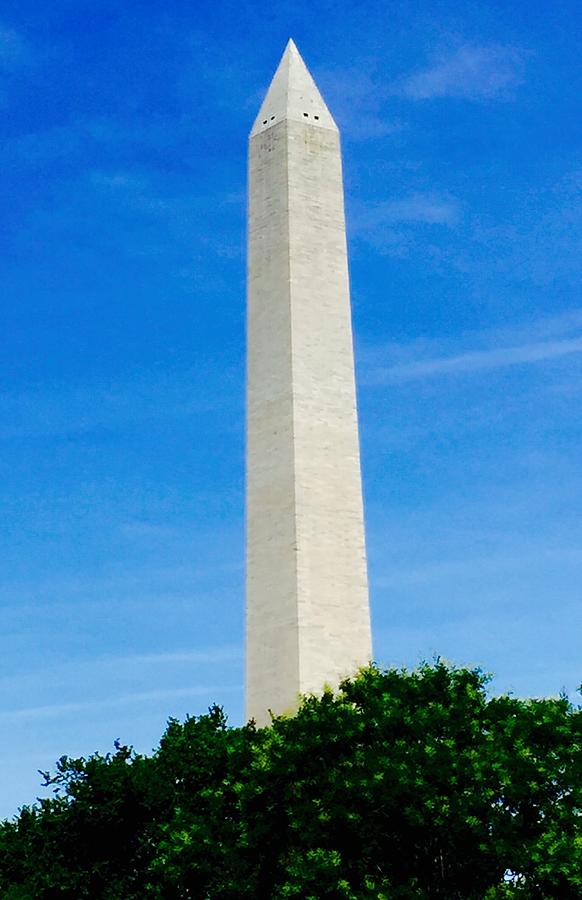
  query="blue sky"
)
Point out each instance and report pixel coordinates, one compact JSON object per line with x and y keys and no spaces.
{"x":123,"y":157}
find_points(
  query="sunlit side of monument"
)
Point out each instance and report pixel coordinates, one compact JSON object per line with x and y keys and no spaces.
{"x":308,"y":621}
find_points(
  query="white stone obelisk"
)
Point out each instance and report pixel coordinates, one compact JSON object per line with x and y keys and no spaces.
{"x":307,"y":615}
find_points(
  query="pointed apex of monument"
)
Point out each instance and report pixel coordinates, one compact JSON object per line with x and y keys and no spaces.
{"x":294,"y":95}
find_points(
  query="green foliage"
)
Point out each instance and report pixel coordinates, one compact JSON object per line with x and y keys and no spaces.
{"x":403,"y":785}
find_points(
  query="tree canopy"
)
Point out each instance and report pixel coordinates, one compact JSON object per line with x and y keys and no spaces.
{"x":403,"y":784}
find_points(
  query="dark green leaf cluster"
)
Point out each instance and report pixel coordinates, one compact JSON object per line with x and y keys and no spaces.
{"x":402,"y":785}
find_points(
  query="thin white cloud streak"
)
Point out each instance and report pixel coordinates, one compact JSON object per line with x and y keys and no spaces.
{"x":469,"y":72}
{"x":75,"y":140}
{"x":211,"y":655}
{"x":475,"y":569}
{"x":154,"y":588}
{"x":12,"y":48}
{"x":476,"y":361}
{"x":91,"y":671}
{"x":419,"y":208}
{"x":62,"y":409}
{"x":63,"y":709}
{"x":348,"y":92}
{"x":514,"y":656}
{"x":562,"y":325}
{"x":372,"y":127}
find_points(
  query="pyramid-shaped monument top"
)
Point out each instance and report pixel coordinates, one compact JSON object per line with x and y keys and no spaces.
{"x":293,"y":94}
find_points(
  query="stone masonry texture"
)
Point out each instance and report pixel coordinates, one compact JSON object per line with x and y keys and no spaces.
{"x":307,"y":612}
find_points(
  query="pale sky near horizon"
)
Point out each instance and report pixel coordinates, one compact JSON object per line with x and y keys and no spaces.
{"x":122,"y":216}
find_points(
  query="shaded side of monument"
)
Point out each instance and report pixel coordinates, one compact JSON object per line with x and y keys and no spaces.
{"x":307,"y":608}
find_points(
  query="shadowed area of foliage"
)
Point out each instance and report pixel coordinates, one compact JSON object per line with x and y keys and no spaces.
{"x":402,"y":785}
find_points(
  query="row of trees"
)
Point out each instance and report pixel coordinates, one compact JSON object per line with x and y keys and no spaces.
{"x":402,"y":785}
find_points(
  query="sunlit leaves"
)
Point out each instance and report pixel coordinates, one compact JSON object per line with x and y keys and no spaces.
{"x":403,"y":785}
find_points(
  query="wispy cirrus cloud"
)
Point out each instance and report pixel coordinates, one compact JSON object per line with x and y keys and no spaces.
{"x":418,"y":208}
{"x":97,"y":669}
{"x":349,"y":92}
{"x":470,"y":72}
{"x":63,"y":709}
{"x":481,"y":360}
{"x":13,"y":50}
{"x":480,"y":568}
{"x":59,"y":409}
{"x":389,"y":225}
{"x":422,"y":208}
{"x":85,"y":138}
{"x":15,"y":54}
{"x":509,"y":347}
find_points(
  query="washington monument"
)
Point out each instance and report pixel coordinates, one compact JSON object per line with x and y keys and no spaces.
{"x":307,"y":618}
